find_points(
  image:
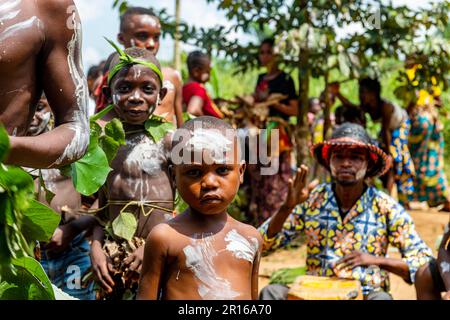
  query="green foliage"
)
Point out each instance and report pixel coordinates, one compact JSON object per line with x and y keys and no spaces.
{"x":286,"y":276}
{"x":158,"y":127}
{"x":23,"y":221}
{"x":125,"y":225}
{"x":180,"y":205}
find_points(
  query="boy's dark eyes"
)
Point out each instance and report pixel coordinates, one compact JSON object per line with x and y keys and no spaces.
{"x":223,"y":170}
{"x":193,"y":172}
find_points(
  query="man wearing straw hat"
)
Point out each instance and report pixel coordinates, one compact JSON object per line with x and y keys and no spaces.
{"x":348,"y":224}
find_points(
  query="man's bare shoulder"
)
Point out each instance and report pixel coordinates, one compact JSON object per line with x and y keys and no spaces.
{"x":58,"y":7}
{"x":161,"y":233}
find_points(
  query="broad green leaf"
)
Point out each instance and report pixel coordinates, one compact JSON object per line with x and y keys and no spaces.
{"x":96,"y":129}
{"x":287,"y":276}
{"x":180,"y":204}
{"x":90,"y":172}
{"x":4,"y":143}
{"x":39,"y":222}
{"x":114,"y":129}
{"x":125,"y":225}
{"x":109,"y":146}
{"x":30,"y":282}
{"x":158,"y":129}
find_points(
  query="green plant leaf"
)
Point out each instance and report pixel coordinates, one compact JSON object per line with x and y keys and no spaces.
{"x":4,"y":143}
{"x":125,"y":225}
{"x":109,"y":147}
{"x":114,"y":129}
{"x":287,"y":276}
{"x":157,"y":128}
{"x":39,"y":222}
{"x":30,"y":282}
{"x":90,"y":172}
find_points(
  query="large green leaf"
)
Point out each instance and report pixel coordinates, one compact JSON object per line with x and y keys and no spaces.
{"x":4,"y":143}
{"x":90,"y":172}
{"x":114,"y":129}
{"x":30,"y":282}
{"x":109,"y":147}
{"x":39,"y":222}
{"x":125,"y":225}
{"x":157,"y":128}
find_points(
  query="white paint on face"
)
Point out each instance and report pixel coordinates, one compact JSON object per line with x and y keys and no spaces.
{"x":445,"y":267}
{"x":115,"y":99}
{"x":210,"y":140}
{"x":137,"y":73}
{"x":80,"y":120}
{"x":44,"y":122}
{"x":199,"y":259}
{"x":169,"y":85}
{"x":152,"y":21}
{"x":241,"y":247}
{"x":133,"y":43}
{"x":14,"y":29}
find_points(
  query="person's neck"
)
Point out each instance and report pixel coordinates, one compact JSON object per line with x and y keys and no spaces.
{"x":347,"y":195}
{"x":208,"y":219}
{"x":190,"y":79}
{"x":128,"y":127}
{"x":273,"y":70}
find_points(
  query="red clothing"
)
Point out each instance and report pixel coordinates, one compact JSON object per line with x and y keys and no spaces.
{"x":197,"y":89}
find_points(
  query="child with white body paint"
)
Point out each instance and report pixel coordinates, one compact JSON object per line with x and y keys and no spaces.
{"x":203,"y":253}
{"x":139,"y":182}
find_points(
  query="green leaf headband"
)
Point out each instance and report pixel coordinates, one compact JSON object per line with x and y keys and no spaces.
{"x":127,"y":60}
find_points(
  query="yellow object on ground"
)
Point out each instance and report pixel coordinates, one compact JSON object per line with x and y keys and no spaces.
{"x":324,"y":288}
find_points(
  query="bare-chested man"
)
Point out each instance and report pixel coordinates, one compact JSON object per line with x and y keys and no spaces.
{"x":65,"y":258}
{"x":203,"y":253}
{"x":40,"y":50}
{"x":139,"y":27}
{"x":139,"y":182}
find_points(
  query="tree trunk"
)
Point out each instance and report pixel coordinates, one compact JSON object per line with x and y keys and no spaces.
{"x":177,"y":52}
{"x":304,"y":74}
{"x":327,"y":110}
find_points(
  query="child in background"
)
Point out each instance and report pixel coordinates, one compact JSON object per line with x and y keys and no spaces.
{"x":195,"y":97}
{"x":139,"y":182}
{"x":203,"y":253}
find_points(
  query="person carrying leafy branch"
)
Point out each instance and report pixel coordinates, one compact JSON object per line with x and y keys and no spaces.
{"x":65,"y":257}
{"x":138,"y":193}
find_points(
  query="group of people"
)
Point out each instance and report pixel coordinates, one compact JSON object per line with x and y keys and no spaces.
{"x":201,"y":253}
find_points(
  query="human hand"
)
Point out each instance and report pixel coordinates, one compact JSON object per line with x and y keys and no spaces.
{"x":356,"y":258}
{"x":334,"y":88}
{"x":61,"y":239}
{"x":297,"y":192}
{"x":446,"y":296}
{"x":135,"y":259}
{"x":102,"y":266}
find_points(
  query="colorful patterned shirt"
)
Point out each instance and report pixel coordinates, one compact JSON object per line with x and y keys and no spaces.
{"x":374,"y":222}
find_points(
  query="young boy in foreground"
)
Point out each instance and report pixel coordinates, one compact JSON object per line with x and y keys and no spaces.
{"x":203,"y":253}
{"x":139,"y":182}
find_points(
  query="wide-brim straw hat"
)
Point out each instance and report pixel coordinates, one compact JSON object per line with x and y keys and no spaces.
{"x":353,"y":136}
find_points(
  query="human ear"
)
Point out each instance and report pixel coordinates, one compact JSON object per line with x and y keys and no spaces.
{"x":121,"y":38}
{"x":162,"y":94}
{"x":242,"y":168}
{"x":107,"y":92}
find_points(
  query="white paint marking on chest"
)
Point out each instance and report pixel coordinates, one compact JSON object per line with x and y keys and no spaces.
{"x":445,"y":267}
{"x":14,"y":29}
{"x":49,"y":176}
{"x":145,"y":154}
{"x":199,"y":259}
{"x":80,"y":124}
{"x":8,"y":6}
{"x":241,"y":247}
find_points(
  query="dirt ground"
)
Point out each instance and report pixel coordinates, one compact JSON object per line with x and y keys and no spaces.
{"x":429,"y":223}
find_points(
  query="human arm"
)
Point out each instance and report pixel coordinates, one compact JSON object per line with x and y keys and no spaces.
{"x":178,"y":99}
{"x":195,"y":106}
{"x":443,"y":260}
{"x":61,"y":76}
{"x":403,"y":235}
{"x":358,"y":258}
{"x":155,"y":253}
{"x":255,"y":270}
{"x":290,"y":109}
{"x":334,"y":89}
{"x":288,"y":222}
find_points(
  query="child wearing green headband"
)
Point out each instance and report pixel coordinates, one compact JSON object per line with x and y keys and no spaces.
{"x":138,"y":185}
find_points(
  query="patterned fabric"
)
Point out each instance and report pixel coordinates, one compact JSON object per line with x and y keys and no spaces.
{"x":374,"y":222}
{"x":403,"y":164}
{"x":426,"y":144}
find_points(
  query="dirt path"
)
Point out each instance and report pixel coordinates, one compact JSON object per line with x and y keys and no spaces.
{"x":430,"y":225}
